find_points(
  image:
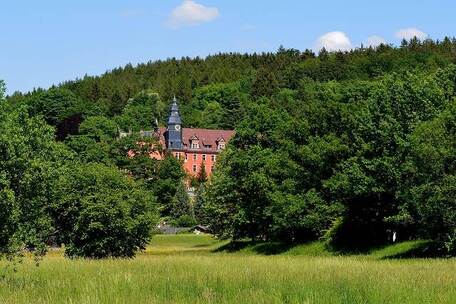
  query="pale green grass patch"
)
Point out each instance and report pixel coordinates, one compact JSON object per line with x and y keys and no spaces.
{"x":185,"y":269}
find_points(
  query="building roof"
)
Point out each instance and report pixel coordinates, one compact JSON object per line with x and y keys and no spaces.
{"x":174,"y":117}
{"x":208,"y":138}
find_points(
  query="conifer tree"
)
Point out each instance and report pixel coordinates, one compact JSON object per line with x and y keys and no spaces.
{"x":202,"y":175}
{"x":200,"y":199}
{"x":181,"y":203}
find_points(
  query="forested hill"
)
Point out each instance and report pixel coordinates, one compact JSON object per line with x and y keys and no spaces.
{"x":207,"y":86}
{"x":287,"y":66}
{"x":352,"y":147}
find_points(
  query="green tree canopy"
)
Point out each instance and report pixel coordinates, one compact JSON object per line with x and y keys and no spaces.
{"x":31,"y":163}
{"x":103,"y":213}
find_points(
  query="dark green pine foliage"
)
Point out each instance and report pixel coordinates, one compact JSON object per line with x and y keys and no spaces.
{"x":200,"y":205}
{"x":165,"y":183}
{"x":264,"y":84}
{"x":202,"y":174}
{"x":182,"y":210}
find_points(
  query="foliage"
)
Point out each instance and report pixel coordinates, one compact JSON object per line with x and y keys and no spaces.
{"x":202,"y":174}
{"x":141,"y":111}
{"x":132,"y":154}
{"x":431,"y":196}
{"x":49,"y":198}
{"x":166,"y":182}
{"x":181,"y":206}
{"x":215,"y":106}
{"x":347,"y":155}
{"x":95,"y":140}
{"x":352,"y":146}
{"x":31,"y":163}
{"x":185,"y":220}
{"x":199,"y":205}
{"x":264,"y":84}
{"x":61,"y":108}
{"x":102,"y":213}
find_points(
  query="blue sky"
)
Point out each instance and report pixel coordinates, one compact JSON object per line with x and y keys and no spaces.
{"x":48,"y":41}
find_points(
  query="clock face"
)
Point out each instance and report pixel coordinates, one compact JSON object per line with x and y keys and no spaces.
{"x":177,"y":127}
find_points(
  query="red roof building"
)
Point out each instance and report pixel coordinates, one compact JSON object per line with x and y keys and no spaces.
{"x":199,"y":147}
{"x":195,"y":147}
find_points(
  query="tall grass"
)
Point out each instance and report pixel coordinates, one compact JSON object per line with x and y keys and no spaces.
{"x":184,"y":269}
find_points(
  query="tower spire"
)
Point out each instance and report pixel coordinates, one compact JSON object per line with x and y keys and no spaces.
{"x":174,"y":117}
{"x":174,"y":133}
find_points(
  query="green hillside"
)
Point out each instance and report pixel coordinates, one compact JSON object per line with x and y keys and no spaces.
{"x":352,"y":148}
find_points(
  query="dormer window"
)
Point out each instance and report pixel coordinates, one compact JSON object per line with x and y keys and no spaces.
{"x":220,"y":144}
{"x":194,"y":142}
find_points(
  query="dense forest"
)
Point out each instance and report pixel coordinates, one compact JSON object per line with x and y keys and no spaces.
{"x":349,"y":147}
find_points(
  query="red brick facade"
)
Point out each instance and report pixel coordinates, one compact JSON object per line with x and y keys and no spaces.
{"x":194,"y":147}
{"x":199,"y":146}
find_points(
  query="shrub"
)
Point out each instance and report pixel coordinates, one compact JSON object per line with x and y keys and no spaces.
{"x":186,"y":221}
{"x":103,"y":213}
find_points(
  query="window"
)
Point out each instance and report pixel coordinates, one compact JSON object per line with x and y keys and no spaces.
{"x":195,"y":156}
{"x":177,"y":155}
{"x":221,"y":146}
{"x":204,"y":156}
{"x":213,"y":158}
{"x":212,"y":168}
{"x":186,"y":156}
{"x":195,"y":144}
{"x":195,"y":168}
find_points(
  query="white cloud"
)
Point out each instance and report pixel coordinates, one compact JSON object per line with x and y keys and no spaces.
{"x":334,"y":41}
{"x":191,"y":13}
{"x":375,"y":40}
{"x":409,"y":33}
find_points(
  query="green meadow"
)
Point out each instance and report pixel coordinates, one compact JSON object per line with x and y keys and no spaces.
{"x":199,"y":269}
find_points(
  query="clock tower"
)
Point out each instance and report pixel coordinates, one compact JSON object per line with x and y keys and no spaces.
{"x":174,"y":128}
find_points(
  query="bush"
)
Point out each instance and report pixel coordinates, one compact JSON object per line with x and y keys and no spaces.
{"x":330,"y":238}
{"x":186,"y":221}
{"x":103,"y":213}
{"x":30,"y":164}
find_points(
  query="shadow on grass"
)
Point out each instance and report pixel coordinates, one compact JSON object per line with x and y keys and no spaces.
{"x":233,"y":246}
{"x":421,"y":250}
{"x":272,"y":248}
{"x":202,"y":245}
{"x":264,"y":248}
{"x":414,"y":249}
{"x":404,"y":250}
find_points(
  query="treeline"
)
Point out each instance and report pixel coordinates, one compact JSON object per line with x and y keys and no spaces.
{"x":222,"y":79}
{"x":82,"y":192}
{"x":350,"y":147}
{"x":351,"y":162}
{"x":49,"y":196}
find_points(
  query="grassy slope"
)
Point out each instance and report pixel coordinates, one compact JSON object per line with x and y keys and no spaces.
{"x":185,"y":269}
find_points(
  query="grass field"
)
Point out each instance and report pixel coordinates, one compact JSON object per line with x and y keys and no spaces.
{"x":193,"y":269}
